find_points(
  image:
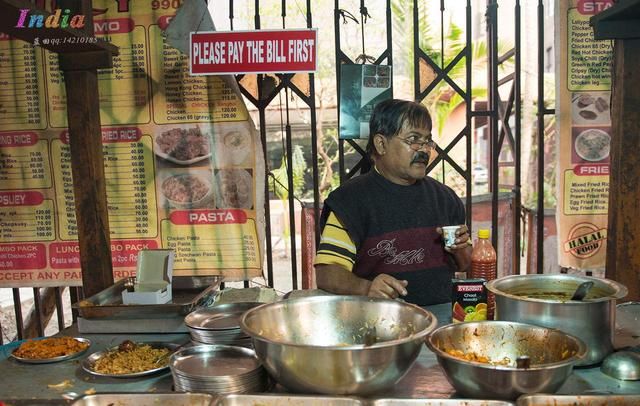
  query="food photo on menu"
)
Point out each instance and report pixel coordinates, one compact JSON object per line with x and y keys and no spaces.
{"x":187,"y":189}
{"x":235,"y":189}
{"x":184,"y":145}
{"x":590,"y":108}
{"x":233,"y":144}
{"x":591,"y":145}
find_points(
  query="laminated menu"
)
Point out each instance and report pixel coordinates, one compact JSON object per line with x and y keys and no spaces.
{"x":182,"y":159}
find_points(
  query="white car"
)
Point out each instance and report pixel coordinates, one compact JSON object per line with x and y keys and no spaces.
{"x":480,"y":175}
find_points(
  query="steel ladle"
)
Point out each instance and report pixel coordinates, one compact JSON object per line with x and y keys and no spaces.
{"x":582,"y":290}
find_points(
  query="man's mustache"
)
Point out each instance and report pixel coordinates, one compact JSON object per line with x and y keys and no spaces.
{"x":421,"y":157}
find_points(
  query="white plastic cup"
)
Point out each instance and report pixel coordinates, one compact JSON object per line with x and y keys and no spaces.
{"x":449,"y":235}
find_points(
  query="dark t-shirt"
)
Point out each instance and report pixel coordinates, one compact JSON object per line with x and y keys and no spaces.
{"x":394,"y":230}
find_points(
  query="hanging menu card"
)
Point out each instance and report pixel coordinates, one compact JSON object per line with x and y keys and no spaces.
{"x":182,"y":159}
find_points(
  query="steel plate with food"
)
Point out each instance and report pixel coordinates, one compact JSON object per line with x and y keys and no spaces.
{"x":130,"y":359}
{"x":183,"y":146}
{"x":593,"y":145}
{"x":51,"y":349}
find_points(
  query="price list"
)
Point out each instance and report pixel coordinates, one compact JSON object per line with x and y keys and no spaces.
{"x":57,"y":105}
{"x":24,"y":161}
{"x":180,"y":97}
{"x":131,"y":195}
{"x":27,"y":223}
{"x":61,"y":155}
{"x":207,"y":246}
{"x":22,"y":97}
{"x":131,"y":200}
{"x":128,"y":101}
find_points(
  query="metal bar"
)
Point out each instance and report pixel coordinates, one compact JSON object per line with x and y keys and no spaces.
{"x":389,"y":50}
{"x":290,"y":196}
{"x":74,"y":297}
{"x":442,"y":74}
{"x":340,"y":56}
{"x":231,"y":15}
{"x":59,"y":307}
{"x":469,"y":110}
{"x":505,"y":114}
{"x":540,"y":175}
{"x":261,"y":105}
{"x":314,"y":143}
{"x":517,"y":189}
{"x":492,"y":37}
{"x":506,"y":56}
{"x":17,"y":307}
{"x":416,"y":54}
{"x":506,"y":79}
{"x":442,"y":33}
{"x":480,"y":113}
{"x":37,"y":304}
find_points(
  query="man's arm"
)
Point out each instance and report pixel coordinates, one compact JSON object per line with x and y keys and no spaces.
{"x":336,"y":279}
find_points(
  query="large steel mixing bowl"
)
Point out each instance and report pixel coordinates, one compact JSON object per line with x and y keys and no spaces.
{"x":459,"y":348}
{"x":337,"y":344}
{"x":544,"y":300}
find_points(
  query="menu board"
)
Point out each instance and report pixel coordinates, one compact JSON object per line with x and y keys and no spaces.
{"x":182,"y":159}
{"x":584,"y":128}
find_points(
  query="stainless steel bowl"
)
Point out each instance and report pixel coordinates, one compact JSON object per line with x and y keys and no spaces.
{"x":622,"y":365}
{"x":552,"y":355}
{"x":544,"y":300}
{"x":337,"y":344}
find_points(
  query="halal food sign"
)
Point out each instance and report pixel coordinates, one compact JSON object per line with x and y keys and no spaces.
{"x":231,"y":52}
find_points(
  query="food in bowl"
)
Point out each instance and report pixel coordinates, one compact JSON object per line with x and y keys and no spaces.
{"x":337,"y":344}
{"x":476,"y":356}
{"x":183,"y":144}
{"x":185,"y":189}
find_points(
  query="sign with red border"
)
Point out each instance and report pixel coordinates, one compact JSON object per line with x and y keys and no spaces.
{"x":262,"y":51}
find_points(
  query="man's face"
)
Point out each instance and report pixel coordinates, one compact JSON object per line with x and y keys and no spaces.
{"x":405,"y":156}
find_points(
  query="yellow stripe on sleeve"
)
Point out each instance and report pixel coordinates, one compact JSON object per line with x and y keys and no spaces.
{"x":336,"y":246}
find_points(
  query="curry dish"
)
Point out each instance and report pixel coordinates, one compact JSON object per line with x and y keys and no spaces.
{"x":50,"y":348}
{"x":473,"y":357}
{"x":132,"y":359}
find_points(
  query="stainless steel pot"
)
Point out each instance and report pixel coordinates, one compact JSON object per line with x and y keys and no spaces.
{"x":544,"y":300}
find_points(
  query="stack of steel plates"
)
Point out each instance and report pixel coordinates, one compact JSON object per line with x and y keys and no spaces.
{"x":219,"y":324}
{"x":218,"y":369}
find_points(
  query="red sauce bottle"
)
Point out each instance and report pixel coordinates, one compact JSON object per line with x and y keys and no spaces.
{"x":484,"y":265}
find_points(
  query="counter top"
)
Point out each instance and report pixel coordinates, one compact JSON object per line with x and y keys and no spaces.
{"x":30,"y":383}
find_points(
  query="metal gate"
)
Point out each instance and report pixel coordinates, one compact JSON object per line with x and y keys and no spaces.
{"x":432,"y":69}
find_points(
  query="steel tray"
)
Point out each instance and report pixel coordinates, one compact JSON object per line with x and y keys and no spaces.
{"x":578,"y":400}
{"x":189,"y":292}
{"x":145,"y":399}
{"x":439,"y":402}
{"x":286,"y":400}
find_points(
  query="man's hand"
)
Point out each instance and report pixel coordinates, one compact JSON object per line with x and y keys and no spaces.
{"x":463,"y":239}
{"x":388,"y":287}
{"x":461,"y":249}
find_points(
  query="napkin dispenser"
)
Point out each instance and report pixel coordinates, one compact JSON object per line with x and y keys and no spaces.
{"x":154,"y":273}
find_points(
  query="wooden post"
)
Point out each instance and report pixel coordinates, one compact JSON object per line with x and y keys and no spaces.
{"x":623,"y":240}
{"x":89,"y":184}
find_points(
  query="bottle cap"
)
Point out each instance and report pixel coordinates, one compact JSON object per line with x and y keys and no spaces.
{"x":483,"y":233}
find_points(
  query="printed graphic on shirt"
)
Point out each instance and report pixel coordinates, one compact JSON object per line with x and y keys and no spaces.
{"x":401,"y":251}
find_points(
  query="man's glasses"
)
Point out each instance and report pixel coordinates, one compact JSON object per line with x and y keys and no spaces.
{"x":417,"y":144}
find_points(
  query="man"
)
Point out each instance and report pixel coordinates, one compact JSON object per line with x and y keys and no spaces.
{"x":381,"y":232}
